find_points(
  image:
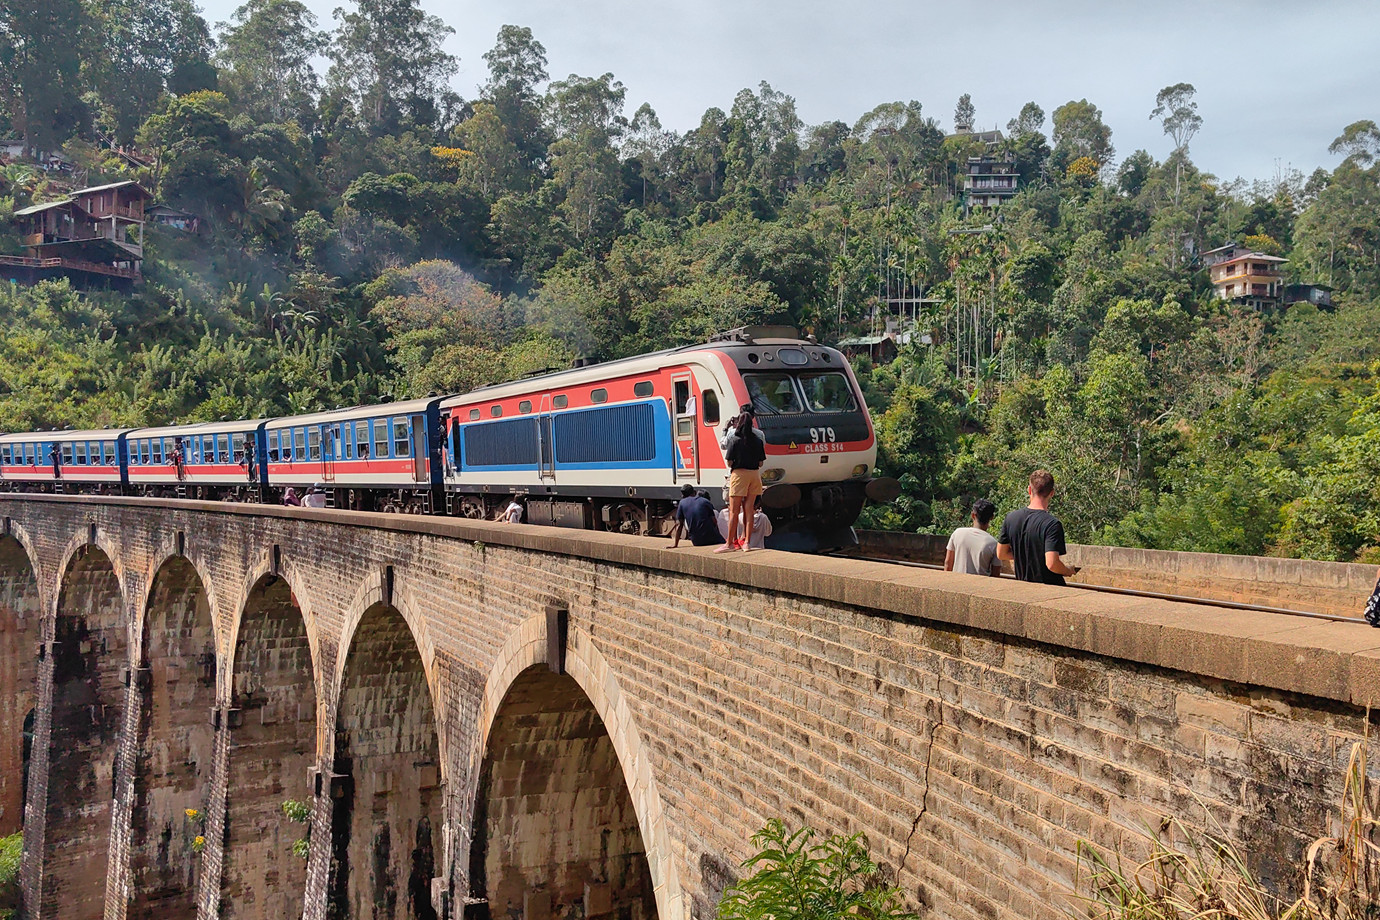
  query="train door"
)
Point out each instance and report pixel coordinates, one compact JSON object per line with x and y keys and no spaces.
{"x":546,"y":448}
{"x":330,"y":447}
{"x":419,"y":449}
{"x":683,"y":428}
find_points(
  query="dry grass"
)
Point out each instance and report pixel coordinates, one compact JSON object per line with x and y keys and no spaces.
{"x":1197,"y":875}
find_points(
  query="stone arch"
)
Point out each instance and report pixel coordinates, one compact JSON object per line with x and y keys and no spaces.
{"x":583,"y":719}
{"x":91,"y":675}
{"x":174,"y":765}
{"x":271,"y":722}
{"x":387,"y":793}
{"x":21,"y":632}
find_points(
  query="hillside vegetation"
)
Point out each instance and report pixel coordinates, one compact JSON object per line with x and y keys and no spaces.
{"x":368,"y":233}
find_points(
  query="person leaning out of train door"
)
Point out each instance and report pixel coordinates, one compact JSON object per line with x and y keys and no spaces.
{"x":745,"y":455}
{"x":694,"y":517}
{"x":972,"y":550}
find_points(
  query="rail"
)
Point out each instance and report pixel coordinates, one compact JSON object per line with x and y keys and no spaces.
{"x":75,"y":264}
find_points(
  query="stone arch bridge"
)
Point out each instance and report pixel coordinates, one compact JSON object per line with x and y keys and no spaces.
{"x":525,"y":723}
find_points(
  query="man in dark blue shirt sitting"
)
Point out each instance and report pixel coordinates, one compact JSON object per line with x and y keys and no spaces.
{"x":695,"y":516}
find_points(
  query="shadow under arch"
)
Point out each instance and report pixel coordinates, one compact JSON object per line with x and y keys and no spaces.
{"x":272,"y":748}
{"x":174,"y":766}
{"x":387,"y":794}
{"x":90,"y":676}
{"x":21,"y":631}
{"x":544,"y":736}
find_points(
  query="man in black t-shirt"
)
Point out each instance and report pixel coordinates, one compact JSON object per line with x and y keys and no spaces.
{"x":695,"y":516}
{"x":1033,"y":539}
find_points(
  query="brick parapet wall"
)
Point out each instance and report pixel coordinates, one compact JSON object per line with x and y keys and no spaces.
{"x":976,"y":730}
{"x":1333,"y":588}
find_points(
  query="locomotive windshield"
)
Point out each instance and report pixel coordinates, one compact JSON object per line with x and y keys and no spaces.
{"x":828,"y":392}
{"x":781,"y":394}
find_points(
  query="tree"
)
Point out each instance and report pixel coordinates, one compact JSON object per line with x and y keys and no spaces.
{"x":1360,"y":141}
{"x":964,"y":114}
{"x":266,"y":52}
{"x":148,"y":48}
{"x":517,"y":68}
{"x":588,"y":115}
{"x":40,"y":77}
{"x":388,"y":60}
{"x":1080,"y":132}
{"x":1029,"y":121}
{"x":1178,"y":113}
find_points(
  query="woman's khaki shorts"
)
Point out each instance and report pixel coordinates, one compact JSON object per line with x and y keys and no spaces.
{"x":745,"y":484}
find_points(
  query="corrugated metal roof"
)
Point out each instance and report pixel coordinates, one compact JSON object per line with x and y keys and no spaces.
{"x":108,"y":187}
{"x":39,"y":208}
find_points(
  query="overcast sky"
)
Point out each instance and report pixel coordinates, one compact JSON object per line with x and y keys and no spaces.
{"x":1277,"y":81}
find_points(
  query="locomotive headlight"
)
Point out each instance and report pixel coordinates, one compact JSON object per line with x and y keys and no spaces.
{"x":769,"y":476}
{"x":860,"y":471}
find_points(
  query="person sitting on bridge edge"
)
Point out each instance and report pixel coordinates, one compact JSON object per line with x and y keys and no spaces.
{"x":746,"y":452}
{"x":290,"y":498}
{"x":972,"y":550}
{"x":316,"y":498}
{"x":1033,"y":539}
{"x":513,"y":513}
{"x":694,"y":516}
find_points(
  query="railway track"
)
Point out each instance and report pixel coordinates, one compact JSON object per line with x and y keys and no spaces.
{"x":1132,"y":592}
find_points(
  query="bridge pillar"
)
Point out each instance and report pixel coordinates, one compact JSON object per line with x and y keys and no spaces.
{"x":387,"y":793}
{"x":270,"y":731}
{"x":86,"y":783}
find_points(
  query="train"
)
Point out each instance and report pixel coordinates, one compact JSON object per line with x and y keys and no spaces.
{"x":604,"y":446}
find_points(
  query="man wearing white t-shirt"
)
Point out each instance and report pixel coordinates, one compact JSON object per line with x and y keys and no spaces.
{"x":972,"y":550}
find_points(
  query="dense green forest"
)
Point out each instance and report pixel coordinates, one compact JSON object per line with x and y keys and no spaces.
{"x":368,"y":233}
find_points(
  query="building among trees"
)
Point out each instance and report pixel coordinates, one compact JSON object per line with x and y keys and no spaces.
{"x":1245,"y":276}
{"x":988,"y":182}
{"x":92,"y":235}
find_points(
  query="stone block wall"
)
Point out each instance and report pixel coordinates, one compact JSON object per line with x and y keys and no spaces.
{"x":975,"y":730}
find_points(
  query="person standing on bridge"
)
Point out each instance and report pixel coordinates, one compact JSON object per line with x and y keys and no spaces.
{"x":746,"y":452}
{"x":972,"y":550}
{"x":1033,"y":539}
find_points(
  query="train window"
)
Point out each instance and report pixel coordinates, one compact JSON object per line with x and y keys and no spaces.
{"x":81,"y":454}
{"x":526,"y":406}
{"x":682,"y":396}
{"x":208,"y":448}
{"x":598,"y":396}
{"x":401,"y":438}
{"x":828,"y":392}
{"x":30,"y":454}
{"x":237,"y":447}
{"x":380,"y":438}
{"x":642,"y":388}
{"x":362,"y":439}
{"x":314,"y":444}
{"x":67,"y":452}
{"x":772,"y":394}
{"x":560,"y":402}
{"x":223,"y":446}
{"x":496,"y":411}
{"x":710,"y":399}
{"x":330,"y":438}
{"x":5,"y":455}
{"x":299,"y":441}
{"x":157,"y":450}
{"x":474,"y":414}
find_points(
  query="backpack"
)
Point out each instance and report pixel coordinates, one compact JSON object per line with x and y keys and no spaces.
{"x":1372,"y":613}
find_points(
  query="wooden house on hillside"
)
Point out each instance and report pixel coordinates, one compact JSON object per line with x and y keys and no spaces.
{"x":94,"y":235}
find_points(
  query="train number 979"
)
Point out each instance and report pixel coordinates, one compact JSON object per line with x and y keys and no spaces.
{"x":823,"y":435}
